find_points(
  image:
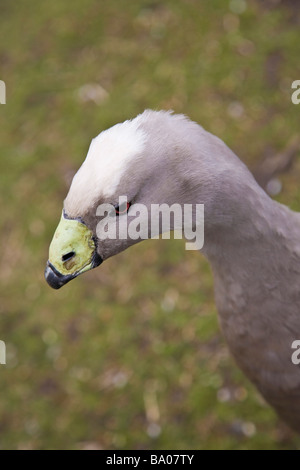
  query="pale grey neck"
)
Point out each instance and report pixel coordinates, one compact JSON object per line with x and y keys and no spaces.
{"x":249,"y":235}
{"x":254,"y":250}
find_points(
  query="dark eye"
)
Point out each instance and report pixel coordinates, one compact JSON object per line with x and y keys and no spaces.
{"x":122,"y":208}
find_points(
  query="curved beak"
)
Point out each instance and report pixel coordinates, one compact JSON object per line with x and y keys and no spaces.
{"x":72,"y":252}
{"x":54,"y":278}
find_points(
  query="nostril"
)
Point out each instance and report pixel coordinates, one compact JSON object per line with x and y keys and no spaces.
{"x":68,"y":256}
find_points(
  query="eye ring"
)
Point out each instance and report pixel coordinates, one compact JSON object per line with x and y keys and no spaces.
{"x":119,"y":210}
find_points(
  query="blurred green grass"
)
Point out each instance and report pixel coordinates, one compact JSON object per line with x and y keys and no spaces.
{"x":129,"y":356}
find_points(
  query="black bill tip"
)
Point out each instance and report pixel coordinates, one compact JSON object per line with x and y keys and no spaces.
{"x":55,"y":279}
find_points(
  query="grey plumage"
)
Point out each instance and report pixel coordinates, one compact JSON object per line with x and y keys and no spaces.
{"x":251,"y":242}
{"x":253,"y":246}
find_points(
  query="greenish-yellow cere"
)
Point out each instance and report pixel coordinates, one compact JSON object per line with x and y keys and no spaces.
{"x":72,"y":236}
{"x":86,"y":360}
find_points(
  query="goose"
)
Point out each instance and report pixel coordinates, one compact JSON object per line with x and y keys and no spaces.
{"x":251,"y":241}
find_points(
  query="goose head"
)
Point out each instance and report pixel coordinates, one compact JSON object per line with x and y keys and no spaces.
{"x":156,"y":158}
{"x":251,"y":241}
